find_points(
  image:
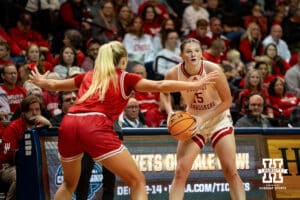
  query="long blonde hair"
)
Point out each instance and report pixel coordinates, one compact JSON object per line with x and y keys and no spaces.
{"x":108,"y":58}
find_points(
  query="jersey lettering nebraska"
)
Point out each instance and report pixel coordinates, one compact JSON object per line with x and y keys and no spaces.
{"x":202,"y":100}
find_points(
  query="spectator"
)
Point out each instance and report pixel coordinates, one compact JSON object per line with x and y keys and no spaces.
{"x":73,"y":37}
{"x":15,"y":50}
{"x":213,"y":9}
{"x":13,"y":134}
{"x":44,"y":12}
{"x":4,"y":54}
{"x":253,"y":85}
{"x":281,"y":99}
{"x":92,"y":46}
{"x":4,"y":106}
{"x":50,"y":98}
{"x":264,"y":67}
{"x":160,"y":9}
{"x":170,"y":50}
{"x":147,"y":100}
{"x":157,"y":39}
{"x":200,"y":34}
{"x":34,"y":59}
{"x":74,"y":15}
{"x":275,"y":38}
{"x":7,"y":173}
{"x":192,"y":14}
{"x":67,"y":59}
{"x":295,"y":117}
{"x":139,"y":46}
{"x":258,"y":17}
{"x":23,"y":34}
{"x":278,"y":65}
{"x":279,"y":15}
{"x":123,"y":20}
{"x":151,"y":21}
{"x":234,"y":70}
{"x":118,"y":4}
{"x":36,"y":91}
{"x":254,"y":116}
{"x":65,"y":100}
{"x":214,"y":52}
{"x":251,"y":43}
{"x":15,"y":93}
{"x":233,"y":27}
{"x":233,"y":57}
{"x":215,"y":33}
{"x":131,"y":117}
{"x":291,"y":30}
{"x":292,"y":77}
{"x":104,"y":25}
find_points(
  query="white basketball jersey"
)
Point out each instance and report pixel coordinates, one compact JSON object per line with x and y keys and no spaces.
{"x":202,"y":100}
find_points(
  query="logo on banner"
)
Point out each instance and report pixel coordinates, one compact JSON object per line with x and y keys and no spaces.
{"x":95,"y":180}
{"x":273,"y":172}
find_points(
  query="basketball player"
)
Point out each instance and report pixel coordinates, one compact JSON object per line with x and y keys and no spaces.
{"x":102,"y":96}
{"x":210,"y":105}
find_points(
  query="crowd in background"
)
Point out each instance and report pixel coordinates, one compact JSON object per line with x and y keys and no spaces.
{"x":255,"y":42}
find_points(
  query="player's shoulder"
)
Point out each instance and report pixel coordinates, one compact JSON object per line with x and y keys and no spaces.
{"x":172,"y":73}
{"x":211,"y":66}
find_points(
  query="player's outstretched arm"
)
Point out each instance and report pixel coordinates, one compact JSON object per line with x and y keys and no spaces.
{"x":51,"y":84}
{"x":145,"y":85}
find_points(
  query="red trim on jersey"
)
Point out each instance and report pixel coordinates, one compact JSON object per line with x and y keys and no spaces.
{"x":219,"y":134}
{"x":186,"y":74}
{"x":200,"y":140}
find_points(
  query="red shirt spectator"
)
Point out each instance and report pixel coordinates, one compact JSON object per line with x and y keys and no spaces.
{"x":280,"y":99}
{"x":155,"y":118}
{"x":251,"y":43}
{"x":23,"y":35}
{"x":216,"y":33}
{"x":13,"y":133}
{"x":200,"y":34}
{"x":257,"y":17}
{"x":74,"y":15}
{"x":15,"y":93}
{"x":147,"y":100}
{"x":160,"y":9}
{"x":279,"y":65}
{"x":14,"y":48}
{"x":208,"y":56}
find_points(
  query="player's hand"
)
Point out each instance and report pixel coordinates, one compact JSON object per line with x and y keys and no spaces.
{"x":35,"y":77}
{"x":210,"y":78}
{"x":199,"y":126}
{"x":39,"y":120}
{"x":196,"y":128}
{"x":169,"y":117}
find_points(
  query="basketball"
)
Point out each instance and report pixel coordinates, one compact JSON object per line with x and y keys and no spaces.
{"x":180,"y":124}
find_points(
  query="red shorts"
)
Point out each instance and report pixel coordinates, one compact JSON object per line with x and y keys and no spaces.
{"x":88,"y":132}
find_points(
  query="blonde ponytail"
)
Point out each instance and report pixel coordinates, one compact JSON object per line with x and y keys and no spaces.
{"x":108,"y":58}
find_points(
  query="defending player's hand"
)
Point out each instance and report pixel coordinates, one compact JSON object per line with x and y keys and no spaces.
{"x":35,"y":77}
{"x":210,"y":78}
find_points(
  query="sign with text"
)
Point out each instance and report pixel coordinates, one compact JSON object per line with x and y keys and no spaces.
{"x":287,"y":151}
{"x":156,"y":158}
